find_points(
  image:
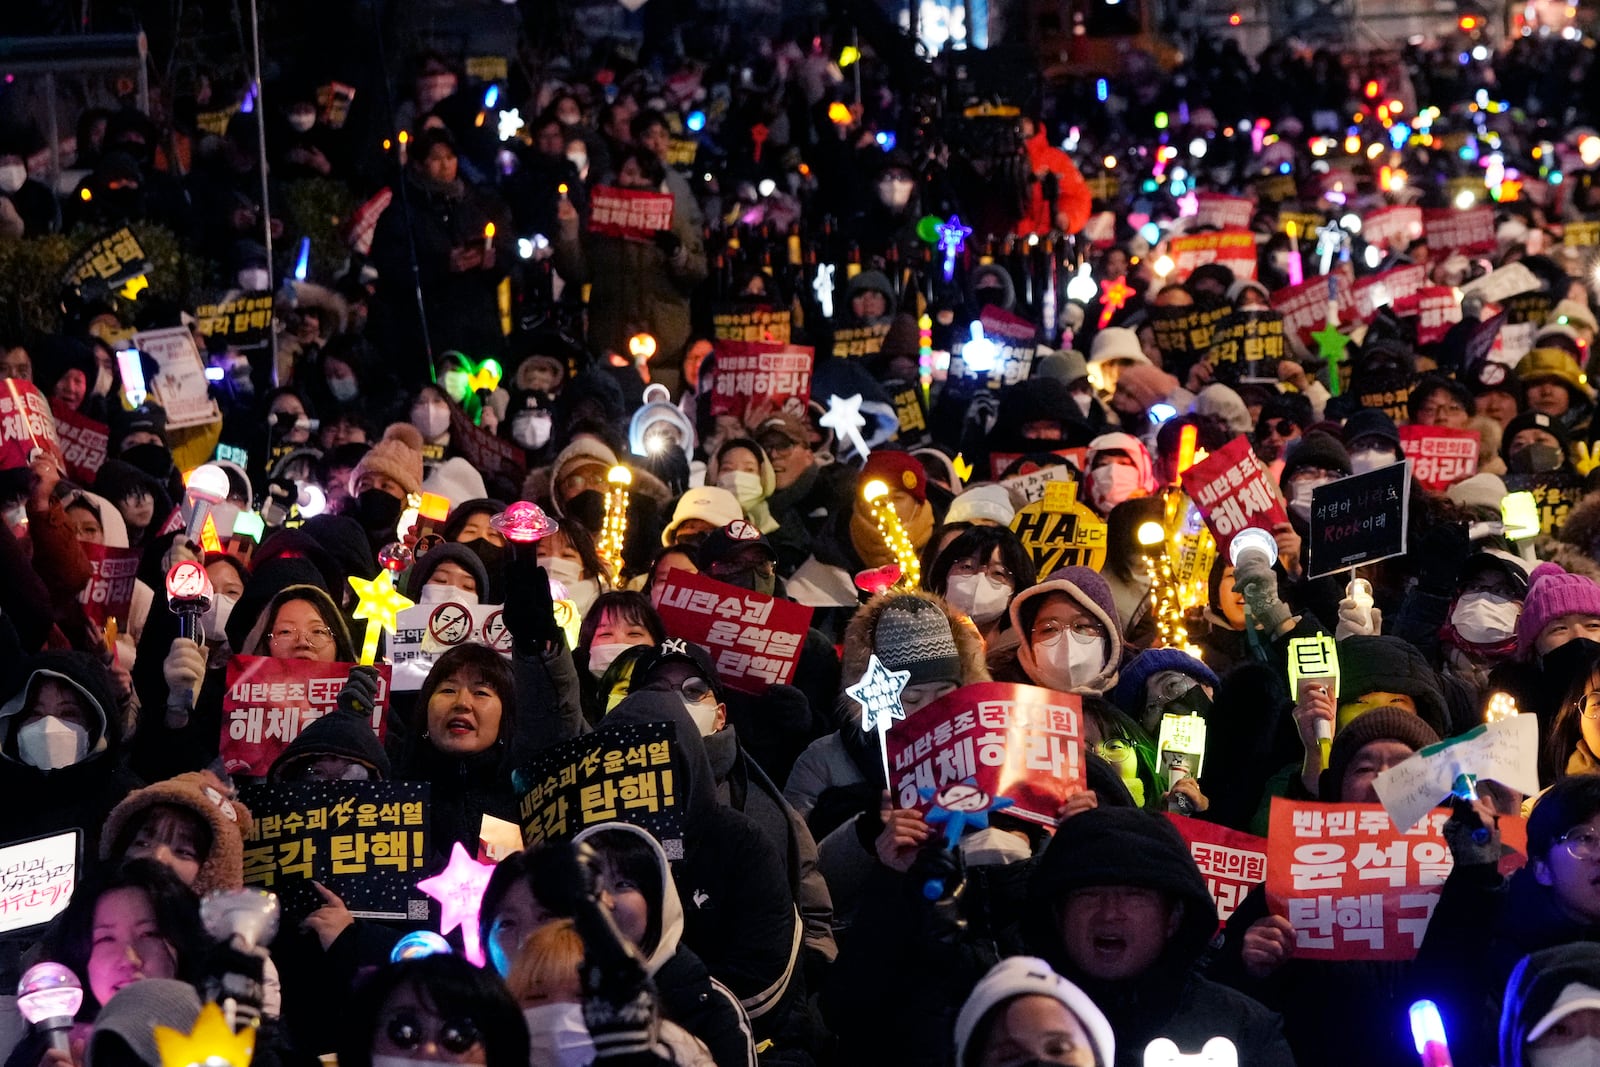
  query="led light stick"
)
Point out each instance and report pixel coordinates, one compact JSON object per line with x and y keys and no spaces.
{"x":614,"y":527}
{"x":522,"y":524}
{"x":878,"y":693}
{"x":207,"y":485}
{"x":844,"y":418}
{"x":459,"y":890}
{"x":48,"y":997}
{"x":378,"y":601}
{"x":1316,"y":658}
{"x":893,"y":532}
{"x":952,"y":239}
{"x":212,"y":1042}
{"x":246,"y":920}
{"x":1501,"y":706}
{"x":1297,"y":270}
{"x":417,"y":944}
{"x":822,"y":286}
{"x":1114,"y":294}
{"x":1330,"y":342}
{"x":188,"y":597}
{"x":1427,"y":1031}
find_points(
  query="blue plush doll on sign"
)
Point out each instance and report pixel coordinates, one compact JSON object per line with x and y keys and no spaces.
{"x":960,"y":805}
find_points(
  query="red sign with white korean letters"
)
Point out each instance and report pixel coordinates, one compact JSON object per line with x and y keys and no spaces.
{"x":1232,"y":491}
{"x":1440,"y":457}
{"x":1232,"y":862}
{"x":268,"y":702}
{"x":754,"y":639}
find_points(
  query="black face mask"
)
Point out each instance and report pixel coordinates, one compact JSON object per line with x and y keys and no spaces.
{"x":587,"y":509}
{"x":1563,"y":665}
{"x":378,"y":512}
{"x":154,"y":460}
{"x":492,"y":556}
{"x":1535,"y":459}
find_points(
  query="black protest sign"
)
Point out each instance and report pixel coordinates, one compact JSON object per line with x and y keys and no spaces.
{"x":1184,"y":333}
{"x":113,"y":257}
{"x":910,"y":408}
{"x":620,"y":774}
{"x":243,"y":320}
{"x":1360,"y":519}
{"x":1554,"y":493}
{"x":1247,"y":346}
{"x":1387,"y":390}
{"x":855,"y":342}
{"x":367,"y":842}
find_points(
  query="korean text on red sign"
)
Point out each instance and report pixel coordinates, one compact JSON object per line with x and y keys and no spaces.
{"x":1234,"y":249}
{"x":759,"y":372}
{"x":1015,"y":741}
{"x":268,"y":701}
{"x":26,"y":424}
{"x":754,"y":639}
{"x":1232,"y":491}
{"x":109,"y":594}
{"x":1440,"y":457}
{"x":83,"y":443}
{"x":632,"y":214}
{"x":1231,"y":862}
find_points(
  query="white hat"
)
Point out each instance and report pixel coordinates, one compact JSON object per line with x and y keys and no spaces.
{"x":991,"y":502}
{"x":1021,"y":976}
{"x":1116,"y":342}
{"x":708,"y":503}
{"x":457,"y":480}
{"x":1479,"y":491}
{"x":1574,"y":998}
{"x":1574,"y":314}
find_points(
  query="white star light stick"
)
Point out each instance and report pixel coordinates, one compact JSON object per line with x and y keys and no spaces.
{"x":823,"y":287}
{"x":844,"y":418}
{"x":878,"y":693}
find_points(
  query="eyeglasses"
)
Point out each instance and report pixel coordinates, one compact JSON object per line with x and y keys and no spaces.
{"x":317,"y":637}
{"x":1045,"y":631}
{"x":1280,"y":427}
{"x":1581,"y":843}
{"x":778,"y":446}
{"x":963,"y":568}
{"x":1589,"y":706}
{"x":454,"y":1035}
{"x":1433,"y":411}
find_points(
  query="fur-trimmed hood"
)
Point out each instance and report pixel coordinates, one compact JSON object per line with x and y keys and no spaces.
{"x":541,"y":481}
{"x":1582,"y":525}
{"x":858,"y":643}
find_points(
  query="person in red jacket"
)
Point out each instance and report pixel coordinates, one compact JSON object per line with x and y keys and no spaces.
{"x":1072,"y":197}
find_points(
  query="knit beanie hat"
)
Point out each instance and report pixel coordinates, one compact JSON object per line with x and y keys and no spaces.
{"x":1129,"y":695}
{"x":134,"y":1013}
{"x":901,"y":470}
{"x":914,"y":635}
{"x":1217,"y":401}
{"x":397,"y":457}
{"x":208,"y":798}
{"x":1066,"y":366}
{"x":1552,"y":593}
{"x":1379,"y":724}
{"x":1028,"y":976}
{"x":1532,"y":420}
{"x":1371,"y":422}
{"x":991,"y":502}
{"x":1147,"y":384}
{"x":1316,"y":449}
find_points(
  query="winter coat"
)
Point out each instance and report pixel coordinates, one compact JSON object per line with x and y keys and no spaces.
{"x":1128,"y":847}
{"x":1534,"y":987}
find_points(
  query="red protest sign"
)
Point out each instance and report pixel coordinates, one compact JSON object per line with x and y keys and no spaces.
{"x":83,"y":443}
{"x":754,"y":639}
{"x":1304,"y":307}
{"x":1392,"y":227}
{"x":1397,"y":288}
{"x":1437,"y":311}
{"x":1232,"y":862}
{"x":753,"y":373}
{"x":109,"y":593}
{"x":1233,"y":492}
{"x":1223,"y":211}
{"x":486,"y":452}
{"x":1450,"y":229}
{"x":268,"y":701}
{"x":1440,"y":457}
{"x":1352,"y":885}
{"x":1020,"y":742}
{"x":26,"y":423}
{"x":1234,"y":249}
{"x":633,"y":214}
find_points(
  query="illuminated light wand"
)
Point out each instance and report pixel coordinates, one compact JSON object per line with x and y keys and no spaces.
{"x":893,"y":532}
{"x":614,"y":527}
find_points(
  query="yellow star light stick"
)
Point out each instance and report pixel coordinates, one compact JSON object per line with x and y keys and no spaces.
{"x":614,"y":527}
{"x":210,"y":1044}
{"x":893,"y":532}
{"x":379,"y":602}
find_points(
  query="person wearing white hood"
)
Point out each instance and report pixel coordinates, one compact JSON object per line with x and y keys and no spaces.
{"x":1119,"y":469}
{"x":741,"y":466}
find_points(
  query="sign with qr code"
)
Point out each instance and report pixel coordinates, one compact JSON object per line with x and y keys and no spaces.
{"x":268,"y":702}
{"x":367,"y":842}
{"x":623,"y":773}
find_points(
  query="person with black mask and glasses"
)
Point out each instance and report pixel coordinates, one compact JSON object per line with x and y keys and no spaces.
{"x":383,"y":479}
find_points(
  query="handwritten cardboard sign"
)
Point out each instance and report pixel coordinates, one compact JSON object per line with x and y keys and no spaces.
{"x":1440,"y":457}
{"x":754,"y":639}
{"x":632,"y":214}
{"x":1359,"y":519}
{"x":37,"y":877}
{"x":1506,"y":751}
{"x":268,"y":701}
{"x":1233,"y":492}
{"x":1020,"y":742}
{"x":368,"y":842}
{"x":622,"y":773}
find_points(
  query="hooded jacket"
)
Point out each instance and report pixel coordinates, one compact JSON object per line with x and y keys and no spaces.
{"x":448,"y":552}
{"x":1534,"y":988}
{"x":344,"y":734}
{"x":1379,"y":663}
{"x":743,"y":921}
{"x":1127,"y":847}
{"x":759,"y":513}
{"x":1090,"y":591}
{"x":690,"y":997}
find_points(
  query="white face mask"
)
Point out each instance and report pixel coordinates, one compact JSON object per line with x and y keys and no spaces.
{"x":601,"y":657}
{"x":895,"y":193}
{"x":432,"y":419}
{"x":1084,"y":401}
{"x":704,"y":714}
{"x":1370,"y":459}
{"x":344,"y":390}
{"x":978,"y":596}
{"x":580,"y":590}
{"x":993,"y":847}
{"x":1111,"y":484}
{"x":215,"y":620}
{"x":1069,"y":660}
{"x":255,"y":280}
{"x":51,"y":744}
{"x":103,"y":381}
{"x":1300,"y":496}
{"x":531,"y":429}
{"x":1485,"y":619}
{"x":12,"y":175}
{"x":580,"y":163}
{"x":746,"y":487}
{"x":439,"y":593}
{"x":301,"y":121}
{"x":1584,"y":1052}
{"x":557,"y":1036}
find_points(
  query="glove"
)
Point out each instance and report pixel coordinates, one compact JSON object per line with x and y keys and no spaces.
{"x":360,"y":691}
{"x":1257,"y":582}
{"x":1462,"y":831}
{"x":530,"y":612}
{"x":1353,"y":620}
{"x":668,"y":242}
{"x":183,"y":670}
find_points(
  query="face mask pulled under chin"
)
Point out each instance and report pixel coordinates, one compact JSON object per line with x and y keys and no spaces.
{"x":1584,"y":1052}
{"x":438,"y":593}
{"x":50,"y":744}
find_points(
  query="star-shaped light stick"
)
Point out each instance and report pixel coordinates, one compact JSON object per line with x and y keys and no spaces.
{"x":952,"y":239}
{"x":211,"y":1042}
{"x":1114,"y":293}
{"x":1330,"y":347}
{"x":459,"y":890}
{"x":1330,"y":239}
{"x":380,"y":603}
{"x":878,"y":693}
{"x":823,"y":287}
{"x":844,"y":418}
